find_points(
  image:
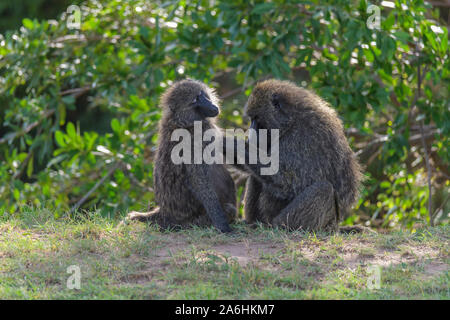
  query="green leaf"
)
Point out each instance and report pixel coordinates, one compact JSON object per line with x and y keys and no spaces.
{"x":430,"y":35}
{"x":62,"y":114}
{"x":68,"y":100}
{"x":16,"y":193}
{"x":115,"y":125}
{"x":389,"y":22}
{"x":385,"y":184}
{"x":59,"y":137}
{"x":70,"y":128}
{"x":27,"y":23}
{"x":56,"y":160}
{"x":263,"y":8}
{"x":30,"y":166}
{"x":444,"y":41}
{"x":402,"y":36}
{"x":369,"y":55}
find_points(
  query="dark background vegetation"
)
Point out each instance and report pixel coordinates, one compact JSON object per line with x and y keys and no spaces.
{"x":79,"y":108}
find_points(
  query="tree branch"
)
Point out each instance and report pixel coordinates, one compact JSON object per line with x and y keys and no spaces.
{"x":30,"y":127}
{"x":95,"y":187}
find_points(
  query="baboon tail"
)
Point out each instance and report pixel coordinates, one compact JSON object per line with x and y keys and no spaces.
{"x":151,"y":216}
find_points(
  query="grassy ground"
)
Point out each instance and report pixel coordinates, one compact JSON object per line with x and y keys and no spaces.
{"x":139,"y":262}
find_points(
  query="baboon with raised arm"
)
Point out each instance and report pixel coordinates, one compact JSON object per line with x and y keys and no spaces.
{"x":318,"y":177}
{"x":189,"y":194}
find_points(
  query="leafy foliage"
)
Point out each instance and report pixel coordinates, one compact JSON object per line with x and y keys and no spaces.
{"x":79,"y":107}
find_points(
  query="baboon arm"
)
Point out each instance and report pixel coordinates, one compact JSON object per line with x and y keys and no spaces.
{"x":198,"y":181}
{"x":237,"y":160}
{"x":253,"y":189}
{"x":313,"y":210}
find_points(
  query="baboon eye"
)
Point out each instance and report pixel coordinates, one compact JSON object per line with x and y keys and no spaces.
{"x":195,"y":99}
{"x":276,"y":101}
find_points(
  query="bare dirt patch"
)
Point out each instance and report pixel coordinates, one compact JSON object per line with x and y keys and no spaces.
{"x":351,"y":253}
{"x":377,"y":256}
{"x":245,"y":252}
{"x":436,"y":268}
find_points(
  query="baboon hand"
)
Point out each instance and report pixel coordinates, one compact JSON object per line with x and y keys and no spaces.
{"x":219,"y":220}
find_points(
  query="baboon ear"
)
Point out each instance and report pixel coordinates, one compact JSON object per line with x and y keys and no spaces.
{"x":276,"y":101}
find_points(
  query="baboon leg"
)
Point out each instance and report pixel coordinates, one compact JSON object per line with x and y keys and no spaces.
{"x":240,"y":161}
{"x":312,"y":210}
{"x":252,"y":191}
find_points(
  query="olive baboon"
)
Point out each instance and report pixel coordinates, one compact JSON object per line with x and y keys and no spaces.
{"x":189,"y":194}
{"x":318,"y":177}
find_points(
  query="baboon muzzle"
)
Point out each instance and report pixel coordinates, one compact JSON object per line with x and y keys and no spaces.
{"x":256,"y":126}
{"x":206,"y":107}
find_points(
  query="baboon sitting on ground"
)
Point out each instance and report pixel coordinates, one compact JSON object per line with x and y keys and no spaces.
{"x":189,"y":194}
{"x":318,"y":177}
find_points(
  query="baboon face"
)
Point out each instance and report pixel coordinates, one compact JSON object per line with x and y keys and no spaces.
{"x":190,"y":101}
{"x":269,"y":106}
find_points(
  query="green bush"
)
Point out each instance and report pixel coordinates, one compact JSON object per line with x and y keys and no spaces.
{"x":79,"y":107}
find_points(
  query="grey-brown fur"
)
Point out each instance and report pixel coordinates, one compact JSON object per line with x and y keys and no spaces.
{"x":188,"y":194}
{"x":318,"y":177}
